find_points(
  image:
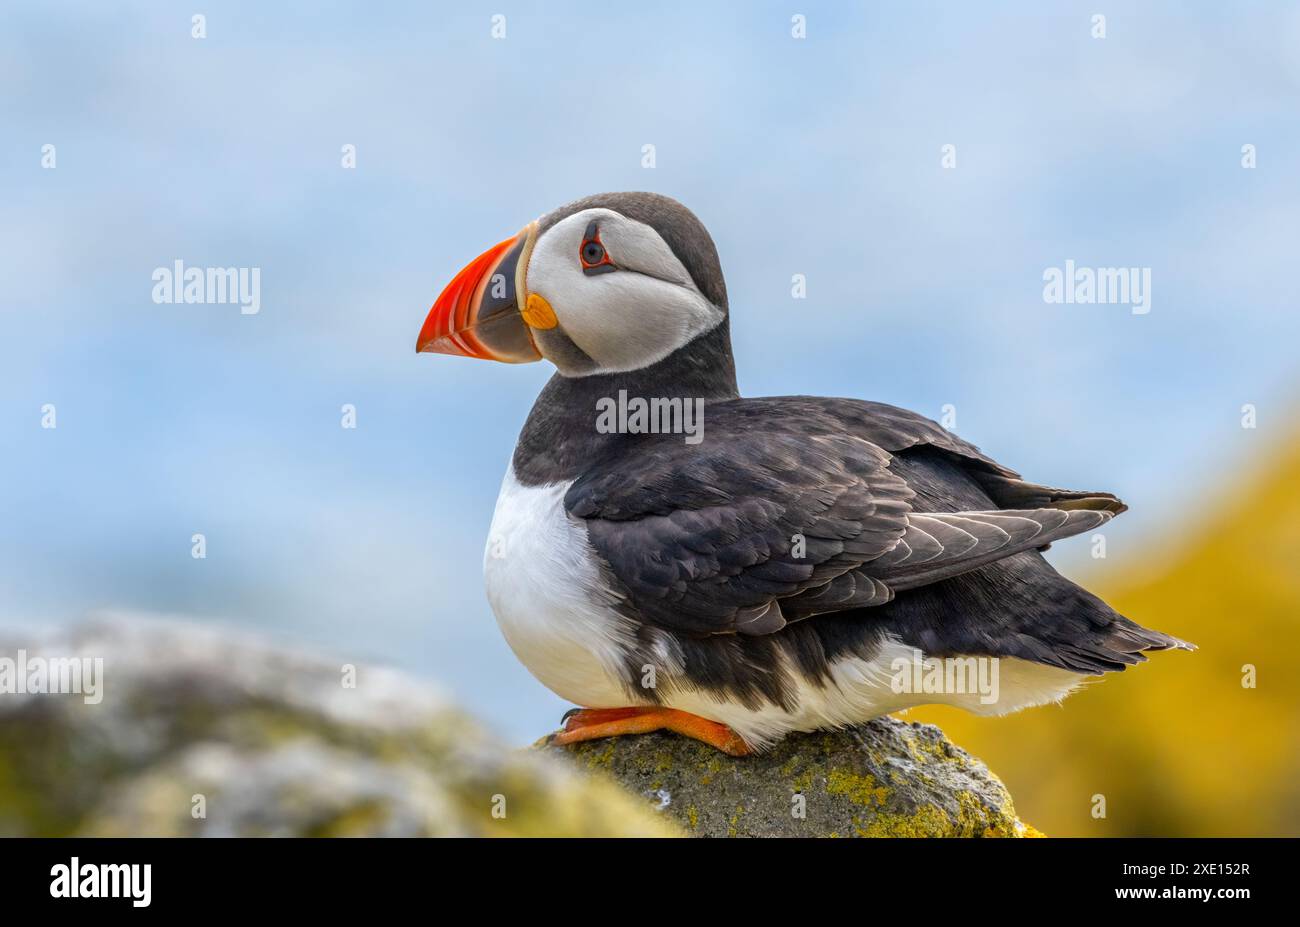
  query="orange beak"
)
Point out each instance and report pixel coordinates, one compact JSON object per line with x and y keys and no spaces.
{"x":480,"y":314}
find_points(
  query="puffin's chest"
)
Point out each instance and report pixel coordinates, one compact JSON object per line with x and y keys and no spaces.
{"x":548,"y":597}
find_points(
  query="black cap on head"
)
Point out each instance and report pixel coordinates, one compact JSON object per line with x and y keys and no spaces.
{"x":676,"y":225}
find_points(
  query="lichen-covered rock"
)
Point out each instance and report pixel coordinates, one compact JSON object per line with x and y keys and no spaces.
{"x":207,"y":732}
{"x":888,"y":778}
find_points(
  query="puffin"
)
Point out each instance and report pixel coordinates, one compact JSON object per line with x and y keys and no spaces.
{"x":735,"y":569}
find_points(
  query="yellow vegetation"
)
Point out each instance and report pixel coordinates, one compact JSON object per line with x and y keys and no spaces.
{"x":1178,"y":746}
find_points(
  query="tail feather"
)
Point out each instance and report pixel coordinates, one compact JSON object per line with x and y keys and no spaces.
{"x":1021,"y":607}
{"x":1011,"y":493}
{"x":940,"y":545}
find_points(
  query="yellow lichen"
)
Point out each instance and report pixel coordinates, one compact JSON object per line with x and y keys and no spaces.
{"x":733,"y":826}
{"x":802,"y":782}
{"x":602,"y":759}
{"x":859,"y":789}
{"x":712,"y":769}
{"x":927,"y":821}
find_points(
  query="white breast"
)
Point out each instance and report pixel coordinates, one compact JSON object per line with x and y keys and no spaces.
{"x":546,"y":592}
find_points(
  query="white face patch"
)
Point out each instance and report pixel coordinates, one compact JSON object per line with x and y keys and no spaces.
{"x":628,"y":318}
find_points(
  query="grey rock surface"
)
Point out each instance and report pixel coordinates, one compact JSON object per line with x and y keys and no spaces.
{"x":888,"y":778}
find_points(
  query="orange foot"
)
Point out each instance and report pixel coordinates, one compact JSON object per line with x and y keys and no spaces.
{"x":594,"y":723}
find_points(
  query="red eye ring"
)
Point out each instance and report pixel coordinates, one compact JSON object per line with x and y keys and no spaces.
{"x":592,"y":254}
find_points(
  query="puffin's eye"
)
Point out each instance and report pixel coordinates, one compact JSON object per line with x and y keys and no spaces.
{"x":592,"y":254}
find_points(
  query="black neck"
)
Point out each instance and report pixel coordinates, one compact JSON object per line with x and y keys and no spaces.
{"x":560,"y":438}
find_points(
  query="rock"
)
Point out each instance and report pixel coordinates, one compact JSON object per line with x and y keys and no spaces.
{"x":888,"y":778}
{"x":206,"y":732}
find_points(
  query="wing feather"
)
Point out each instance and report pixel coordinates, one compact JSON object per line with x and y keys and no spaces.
{"x":790,"y":508}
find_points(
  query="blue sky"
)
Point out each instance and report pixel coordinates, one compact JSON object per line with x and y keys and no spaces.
{"x":818,"y":156}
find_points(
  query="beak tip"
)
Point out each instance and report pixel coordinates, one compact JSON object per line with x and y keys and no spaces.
{"x":464,"y":322}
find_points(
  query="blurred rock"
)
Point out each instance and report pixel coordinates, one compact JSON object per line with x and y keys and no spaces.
{"x":268,"y":742}
{"x":888,"y":778}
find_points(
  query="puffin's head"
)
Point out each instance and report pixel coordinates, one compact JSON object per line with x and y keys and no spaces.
{"x":613,"y":282}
